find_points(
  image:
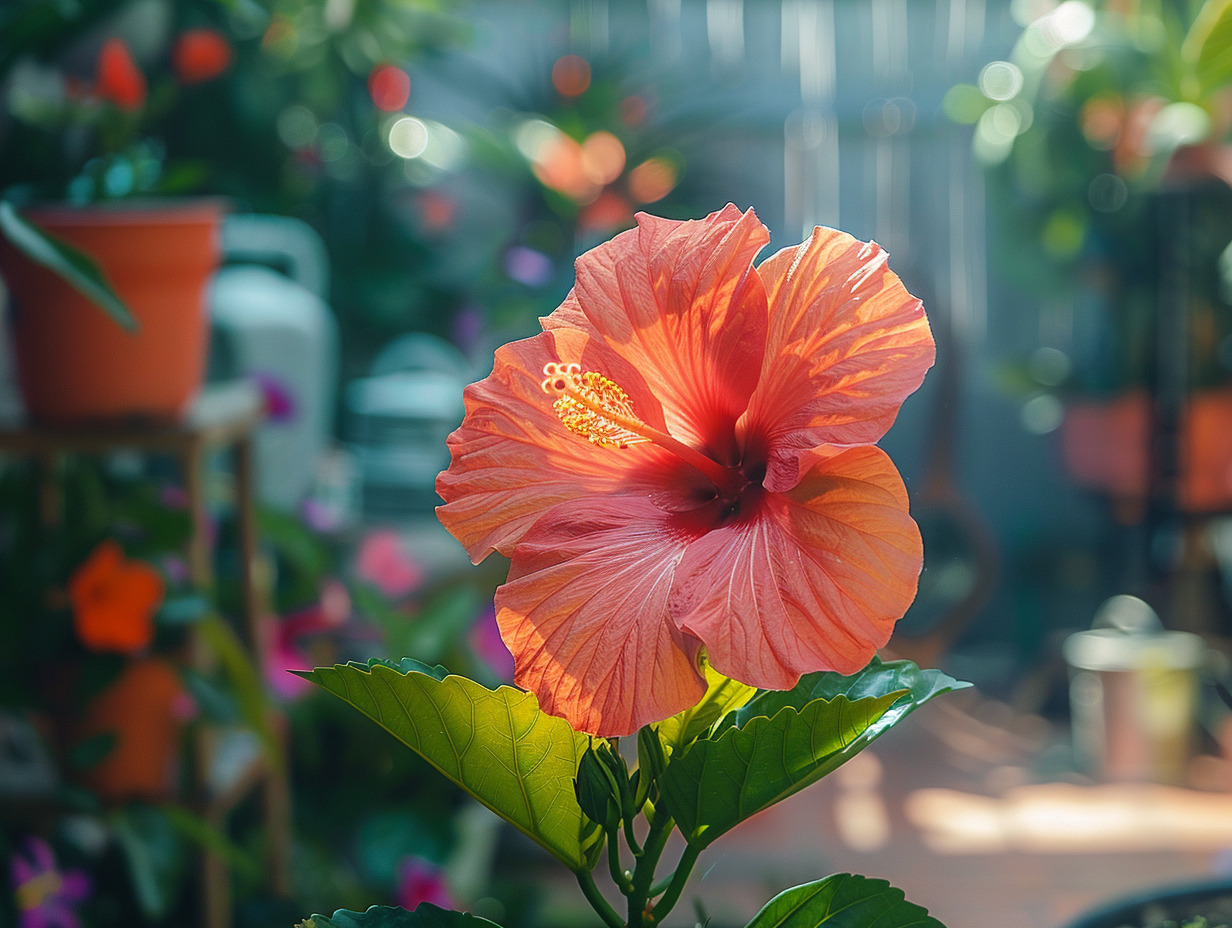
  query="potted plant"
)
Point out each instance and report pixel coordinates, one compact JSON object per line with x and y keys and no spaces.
{"x":87,"y":236}
{"x":1104,"y":136}
{"x":1199,"y":905}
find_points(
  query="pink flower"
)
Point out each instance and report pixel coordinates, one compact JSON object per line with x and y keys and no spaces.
{"x":420,"y":881}
{"x":683,"y":462}
{"x":384,"y":562}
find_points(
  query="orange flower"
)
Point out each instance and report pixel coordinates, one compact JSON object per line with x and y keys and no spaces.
{"x":200,"y":55}
{"x":114,"y":600}
{"x":119,"y":80}
{"x":683,"y":461}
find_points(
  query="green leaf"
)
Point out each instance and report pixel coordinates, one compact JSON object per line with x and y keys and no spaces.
{"x":713,"y":785}
{"x":877,"y":679}
{"x":154,"y":854}
{"x":75,"y":267}
{"x":722,"y":696}
{"x":498,"y":745}
{"x":92,"y":751}
{"x":436,"y":628}
{"x":195,"y":828}
{"x":1207,"y":49}
{"x":843,"y":901}
{"x":425,"y":915}
{"x":781,"y":742}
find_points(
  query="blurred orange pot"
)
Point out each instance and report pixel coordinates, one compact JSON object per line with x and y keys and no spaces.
{"x":76,"y":364}
{"x":141,"y":711}
{"x":1106,"y":447}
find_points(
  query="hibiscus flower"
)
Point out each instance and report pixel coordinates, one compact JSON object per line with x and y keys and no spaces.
{"x":681,"y":467}
{"x":114,"y":600}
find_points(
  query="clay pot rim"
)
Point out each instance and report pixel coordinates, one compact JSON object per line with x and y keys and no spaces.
{"x":134,"y":212}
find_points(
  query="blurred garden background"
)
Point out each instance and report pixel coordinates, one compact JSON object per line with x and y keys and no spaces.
{"x":406,"y":185}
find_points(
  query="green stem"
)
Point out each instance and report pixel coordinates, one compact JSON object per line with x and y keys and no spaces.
{"x":613,"y":862}
{"x":643,"y":873}
{"x":685,"y":867}
{"x":597,"y":902}
{"x":630,"y":838}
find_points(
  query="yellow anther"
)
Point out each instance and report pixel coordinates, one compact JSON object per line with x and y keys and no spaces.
{"x":591,"y":405}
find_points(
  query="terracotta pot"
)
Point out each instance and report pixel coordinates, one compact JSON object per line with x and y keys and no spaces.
{"x":1106,"y":447}
{"x":74,"y":363}
{"x":142,"y":711}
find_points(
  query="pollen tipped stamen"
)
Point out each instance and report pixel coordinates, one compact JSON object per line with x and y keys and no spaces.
{"x":599,"y":410}
{"x":591,"y":405}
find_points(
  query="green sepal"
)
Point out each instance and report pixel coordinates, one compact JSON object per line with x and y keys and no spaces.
{"x":425,"y":915}
{"x":75,"y":267}
{"x":780,"y":742}
{"x":597,"y":791}
{"x":843,"y":900}
{"x":497,"y":745}
{"x":651,"y":762}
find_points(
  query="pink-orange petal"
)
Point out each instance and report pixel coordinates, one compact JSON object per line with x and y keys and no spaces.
{"x":585,"y":615}
{"x":681,"y":302}
{"x":847,"y":344}
{"x":512,"y":459}
{"x":815,"y":581}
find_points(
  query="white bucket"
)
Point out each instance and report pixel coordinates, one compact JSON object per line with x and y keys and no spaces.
{"x":1133,"y":699}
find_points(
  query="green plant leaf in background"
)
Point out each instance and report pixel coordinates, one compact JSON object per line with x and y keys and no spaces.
{"x":780,"y":742}
{"x":842,"y":901}
{"x":425,"y":915}
{"x":73,"y":266}
{"x":1206,"y":53}
{"x":498,"y":745}
{"x":154,"y":854}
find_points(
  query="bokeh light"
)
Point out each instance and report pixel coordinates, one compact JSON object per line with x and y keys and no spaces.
{"x":1000,"y":80}
{"x":652,"y":180}
{"x":1101,"y":119}
{"x":1069,"y":24}
{"x":571,"y":75}
{"x":1107,"y":193}
{"x":297,"y":126}
{"x":603,"y":158}
{"x":389,"y":87}
{"x":408,"y":137}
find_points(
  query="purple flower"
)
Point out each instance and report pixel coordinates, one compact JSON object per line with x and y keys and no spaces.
{"x":279,"y":399}
{"x":485,"y":640}
{"x":46,"y":897}
{"x":527,"y":266}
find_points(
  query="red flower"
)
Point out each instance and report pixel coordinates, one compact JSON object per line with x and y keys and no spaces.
{"x":119,"y":79}
{"x":114,"y":600}
{"x":700,"y":473}
{"x":200,"y":55}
